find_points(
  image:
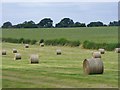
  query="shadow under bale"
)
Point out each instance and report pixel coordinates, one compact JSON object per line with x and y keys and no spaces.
{"x":15,"y":51}
{"x":4,"y":52}
{"x":117,"y":50}
{"x":17,"y":56}
{"x":102,"y":51}
{"x":42,"y":44}
{"x":26,"y":45}
{"x":58,"y":52}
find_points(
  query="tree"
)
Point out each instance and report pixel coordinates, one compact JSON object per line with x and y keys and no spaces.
{"x":18,"y":26}
{"x":119,"y":23}
{"x":95,"y":24}
{"x":7,"y":25}
{"x":45,"y":23}
{"x":78,"y":24}
{"x":114,"y":23}
{"x":29,"y":24}
{"x":65,"y":22}
{"x":105,"y":25}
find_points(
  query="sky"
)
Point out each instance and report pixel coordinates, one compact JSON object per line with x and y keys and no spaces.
{"x":84,"y":12}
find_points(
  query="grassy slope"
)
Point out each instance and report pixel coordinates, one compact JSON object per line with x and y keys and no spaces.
{"x":56,"y":71}
{"x":96,"y":34}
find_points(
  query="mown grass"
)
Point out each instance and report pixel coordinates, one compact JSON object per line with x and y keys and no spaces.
{"x":95,"y":34}
{"x":63,"y":71}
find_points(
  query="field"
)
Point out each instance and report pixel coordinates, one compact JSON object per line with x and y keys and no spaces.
{"x":53,"y":71}
{"x":63,"y":71}
{"x":95,"y":34}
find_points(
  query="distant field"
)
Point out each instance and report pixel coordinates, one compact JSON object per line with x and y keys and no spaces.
{"x":96,"y":34}
{"x":64,"y":71}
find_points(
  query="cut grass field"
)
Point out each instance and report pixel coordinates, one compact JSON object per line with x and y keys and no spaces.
{"x":56,"y":71}
{"x":95,"y":34}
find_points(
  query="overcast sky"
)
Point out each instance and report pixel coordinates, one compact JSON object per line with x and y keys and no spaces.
{"x":84,"y":12}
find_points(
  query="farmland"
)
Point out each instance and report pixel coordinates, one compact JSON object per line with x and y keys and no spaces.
{"x":56,"y":71}
{"x":95,"y":34}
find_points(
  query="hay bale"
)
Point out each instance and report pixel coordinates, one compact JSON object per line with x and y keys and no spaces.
{"x":117,"y":50}
{"x":34,"y":58}
{"x":4,"y":52}
{"x":102,"y":51}
{"x":93,"y":66}
{"x":42,"y":44}
{"x":58,"y":52}
{"x":15,"y":51}
{"x":26,"y":45}
{"x":17,"y":56}
{"x":96,"y":55}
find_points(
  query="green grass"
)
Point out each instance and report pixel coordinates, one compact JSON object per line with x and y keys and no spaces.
{"x":95,"y":34}
{"x":56,"y":71}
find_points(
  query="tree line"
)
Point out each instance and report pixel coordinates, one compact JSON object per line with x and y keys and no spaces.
{"x":65,"y":22}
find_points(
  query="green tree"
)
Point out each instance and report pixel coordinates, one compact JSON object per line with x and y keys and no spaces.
{"x":78,"y":24}
{"x":29,"y":24}
{"x":65,"y":22}
{"x":18,"y":26}
{"x":45,"y":23}
{"x":95,"y":24}
{"x":7,"y":25}
{"x":114,"y":23}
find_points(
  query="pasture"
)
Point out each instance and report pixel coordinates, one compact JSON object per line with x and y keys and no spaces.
{"x":94,"y":34}
{"x":56,"y":71}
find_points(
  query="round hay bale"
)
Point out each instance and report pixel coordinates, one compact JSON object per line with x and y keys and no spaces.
{"x":102,"y":51}
{"x":58,"y":52}
{"x":26,"y":45}
{"x":117,"y":50}
{"x":15,"y":51}
{"x":17,"y":56}
{"x":42,"y":44}
{"x":96,"y":55}
{"x":34,"y":59}
{"x":4,"y":52}
{"x":93,"y":66}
